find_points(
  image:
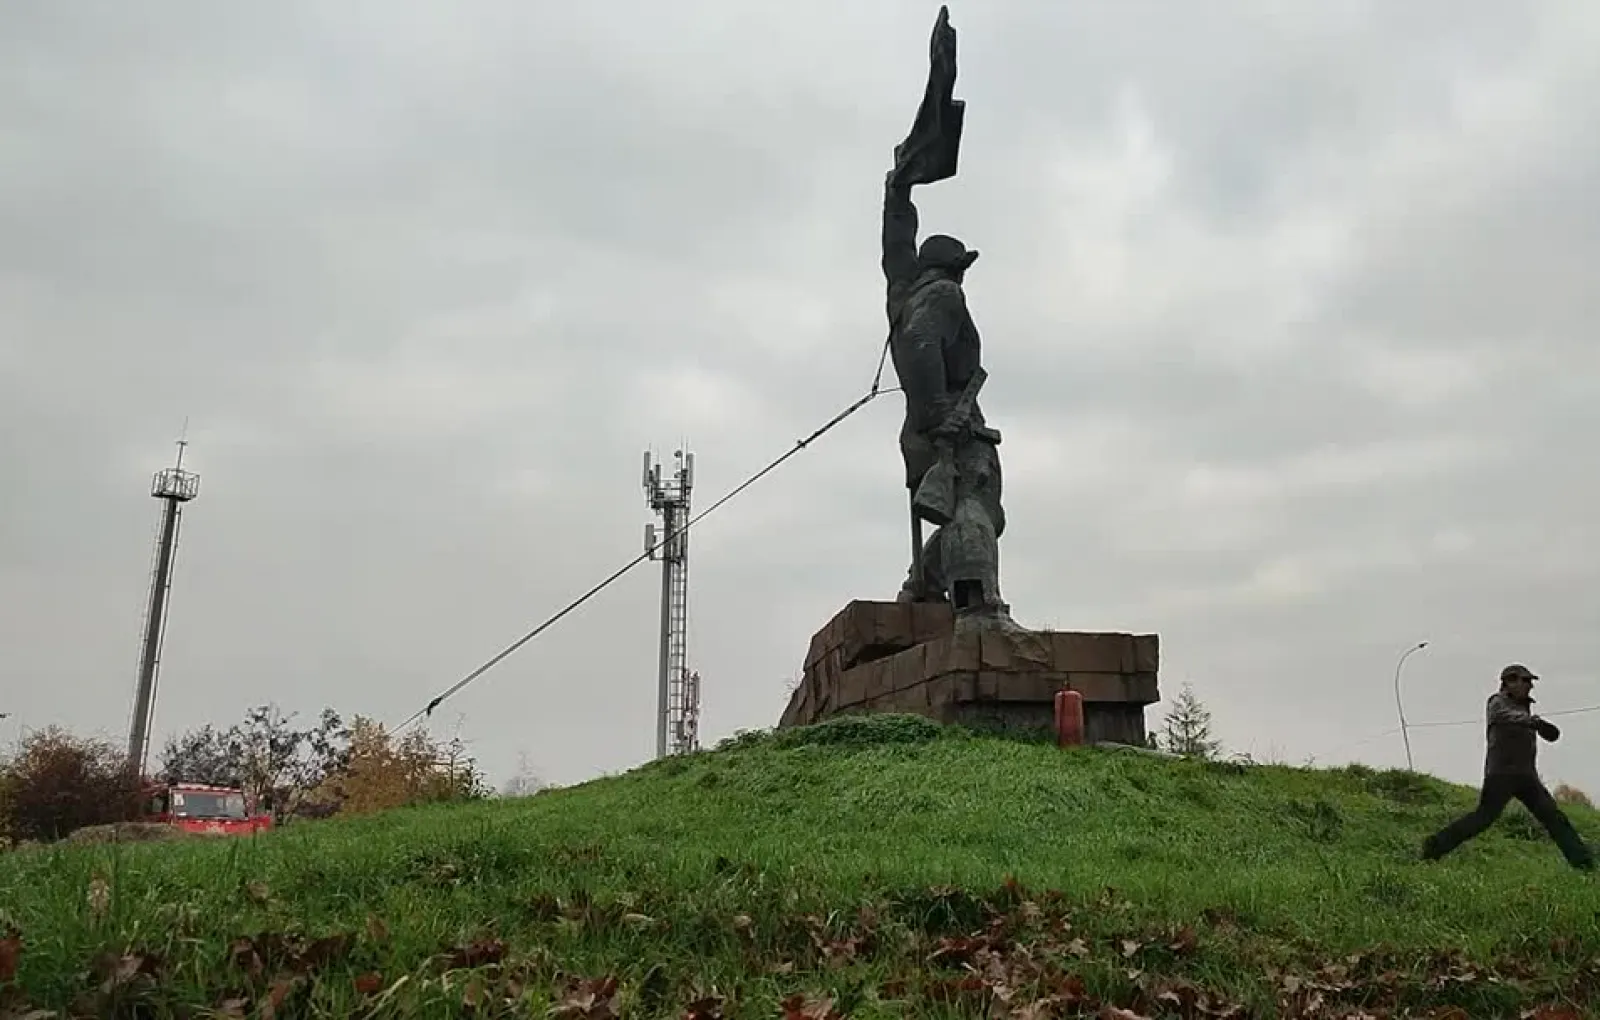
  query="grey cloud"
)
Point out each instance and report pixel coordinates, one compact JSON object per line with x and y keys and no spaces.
{"x":1286,"y":320}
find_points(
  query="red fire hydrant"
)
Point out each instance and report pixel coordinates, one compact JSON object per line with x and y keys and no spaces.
{"x":1069,"y":718}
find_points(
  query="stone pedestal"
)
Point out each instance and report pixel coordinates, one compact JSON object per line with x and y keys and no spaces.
{"x":905,"y":657}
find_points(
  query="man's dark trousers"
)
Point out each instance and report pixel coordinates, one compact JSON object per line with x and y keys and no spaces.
{"x":1499,"y":791}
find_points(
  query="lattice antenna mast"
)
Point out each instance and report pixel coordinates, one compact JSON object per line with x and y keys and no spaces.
{"x":174,"y":487}
{"x":677,"y":690}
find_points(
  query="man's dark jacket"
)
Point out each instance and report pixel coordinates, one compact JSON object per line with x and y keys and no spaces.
{"x":1514,"y":733}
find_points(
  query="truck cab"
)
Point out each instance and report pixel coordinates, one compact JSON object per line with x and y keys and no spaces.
{"x":201,"y":808}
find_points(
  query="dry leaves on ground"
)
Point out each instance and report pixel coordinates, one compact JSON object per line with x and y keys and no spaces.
{"x":10,"y":953}
{"x":707,"y":1007}
{"x":808,"y":1007}
{"x":587,"y":1000}
{"x":481,"y":953}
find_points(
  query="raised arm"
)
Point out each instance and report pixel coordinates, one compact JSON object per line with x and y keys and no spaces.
{"x":899,"y":235}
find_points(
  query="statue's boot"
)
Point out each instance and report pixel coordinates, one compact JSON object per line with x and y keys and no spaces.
{"x":970,"y":555}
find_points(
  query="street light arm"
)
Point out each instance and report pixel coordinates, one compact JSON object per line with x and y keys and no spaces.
{"x":1399,"y":705}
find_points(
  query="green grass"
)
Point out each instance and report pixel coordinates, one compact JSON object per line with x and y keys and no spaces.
{"x":832,"y":862}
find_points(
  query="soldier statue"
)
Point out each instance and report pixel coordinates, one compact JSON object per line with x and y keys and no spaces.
{"x":952,"y":464}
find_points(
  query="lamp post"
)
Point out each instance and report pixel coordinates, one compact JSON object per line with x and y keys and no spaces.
{"x":1400,"y":706}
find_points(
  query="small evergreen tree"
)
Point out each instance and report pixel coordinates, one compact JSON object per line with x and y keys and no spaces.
{"x":526,"y":781}
{"x":1186,"y":728}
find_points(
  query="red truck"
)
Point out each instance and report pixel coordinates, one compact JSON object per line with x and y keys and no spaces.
{"x":209,"y":810}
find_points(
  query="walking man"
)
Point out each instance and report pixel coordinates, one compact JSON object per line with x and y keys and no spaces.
{"x":1510,"y":772}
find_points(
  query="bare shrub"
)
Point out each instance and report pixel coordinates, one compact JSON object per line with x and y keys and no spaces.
{"x":1569,"y":795}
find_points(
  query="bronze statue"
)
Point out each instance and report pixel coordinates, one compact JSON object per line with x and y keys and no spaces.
{"x":951,"y":456}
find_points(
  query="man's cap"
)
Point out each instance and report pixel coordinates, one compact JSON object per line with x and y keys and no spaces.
{"x":1517,"y":671}
{"x":941,"y":251}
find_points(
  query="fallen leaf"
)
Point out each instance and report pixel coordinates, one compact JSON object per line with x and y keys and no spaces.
{"x":1113,"y":1013}
{"x":707,"y":1007}
{"x":544,"y":907}
{"x":1185,"y":998}
{"x":233,"y":1007}
{"x":1184,"y":941}
{"x":257,"y":893}
{"x":369,"y":984}
{"x":120,"y":970}
{"x":10,"y":951}
{"x":838,"y":952}
{"x":588,"y":1000}
{"x":1220,"y":919}
{"x":325,"y":951}
{"x":99,"y":898}
{"x":475,"y":994}
{"x":1039,"y":1009}
{"x":744,"y":924}
{"x":953,"y":951}
{"x":377,"y":931}
{"x":1078,"y":948}
{"x":479,"y":954}
{"x":1131,"y":947}
{"x":956,"y":989}
{"x":1072,"y":989}
{"x":1554,"y":1013}
{"x":1068,"y":1000}
{"x":116,"y":970}
{"x":243,"y":954}
{"x":276,"y":995}
{"x":577,"y":909}
{"x":805,"y":1007}
{"x":638,"y":920}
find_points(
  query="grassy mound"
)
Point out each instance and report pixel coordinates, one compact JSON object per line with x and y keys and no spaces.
{"x":864,"y":868}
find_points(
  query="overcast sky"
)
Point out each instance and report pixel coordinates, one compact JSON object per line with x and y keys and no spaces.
{"x":1288,"y":311}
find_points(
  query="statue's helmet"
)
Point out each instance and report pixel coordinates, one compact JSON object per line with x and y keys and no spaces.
{"x":941,"y":251}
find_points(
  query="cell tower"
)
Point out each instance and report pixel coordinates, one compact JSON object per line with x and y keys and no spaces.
{"x":678,"y":690}
{"x":174,"y":487}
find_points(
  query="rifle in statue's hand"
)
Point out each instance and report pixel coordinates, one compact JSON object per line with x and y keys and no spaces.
{"x":935,"y":498}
